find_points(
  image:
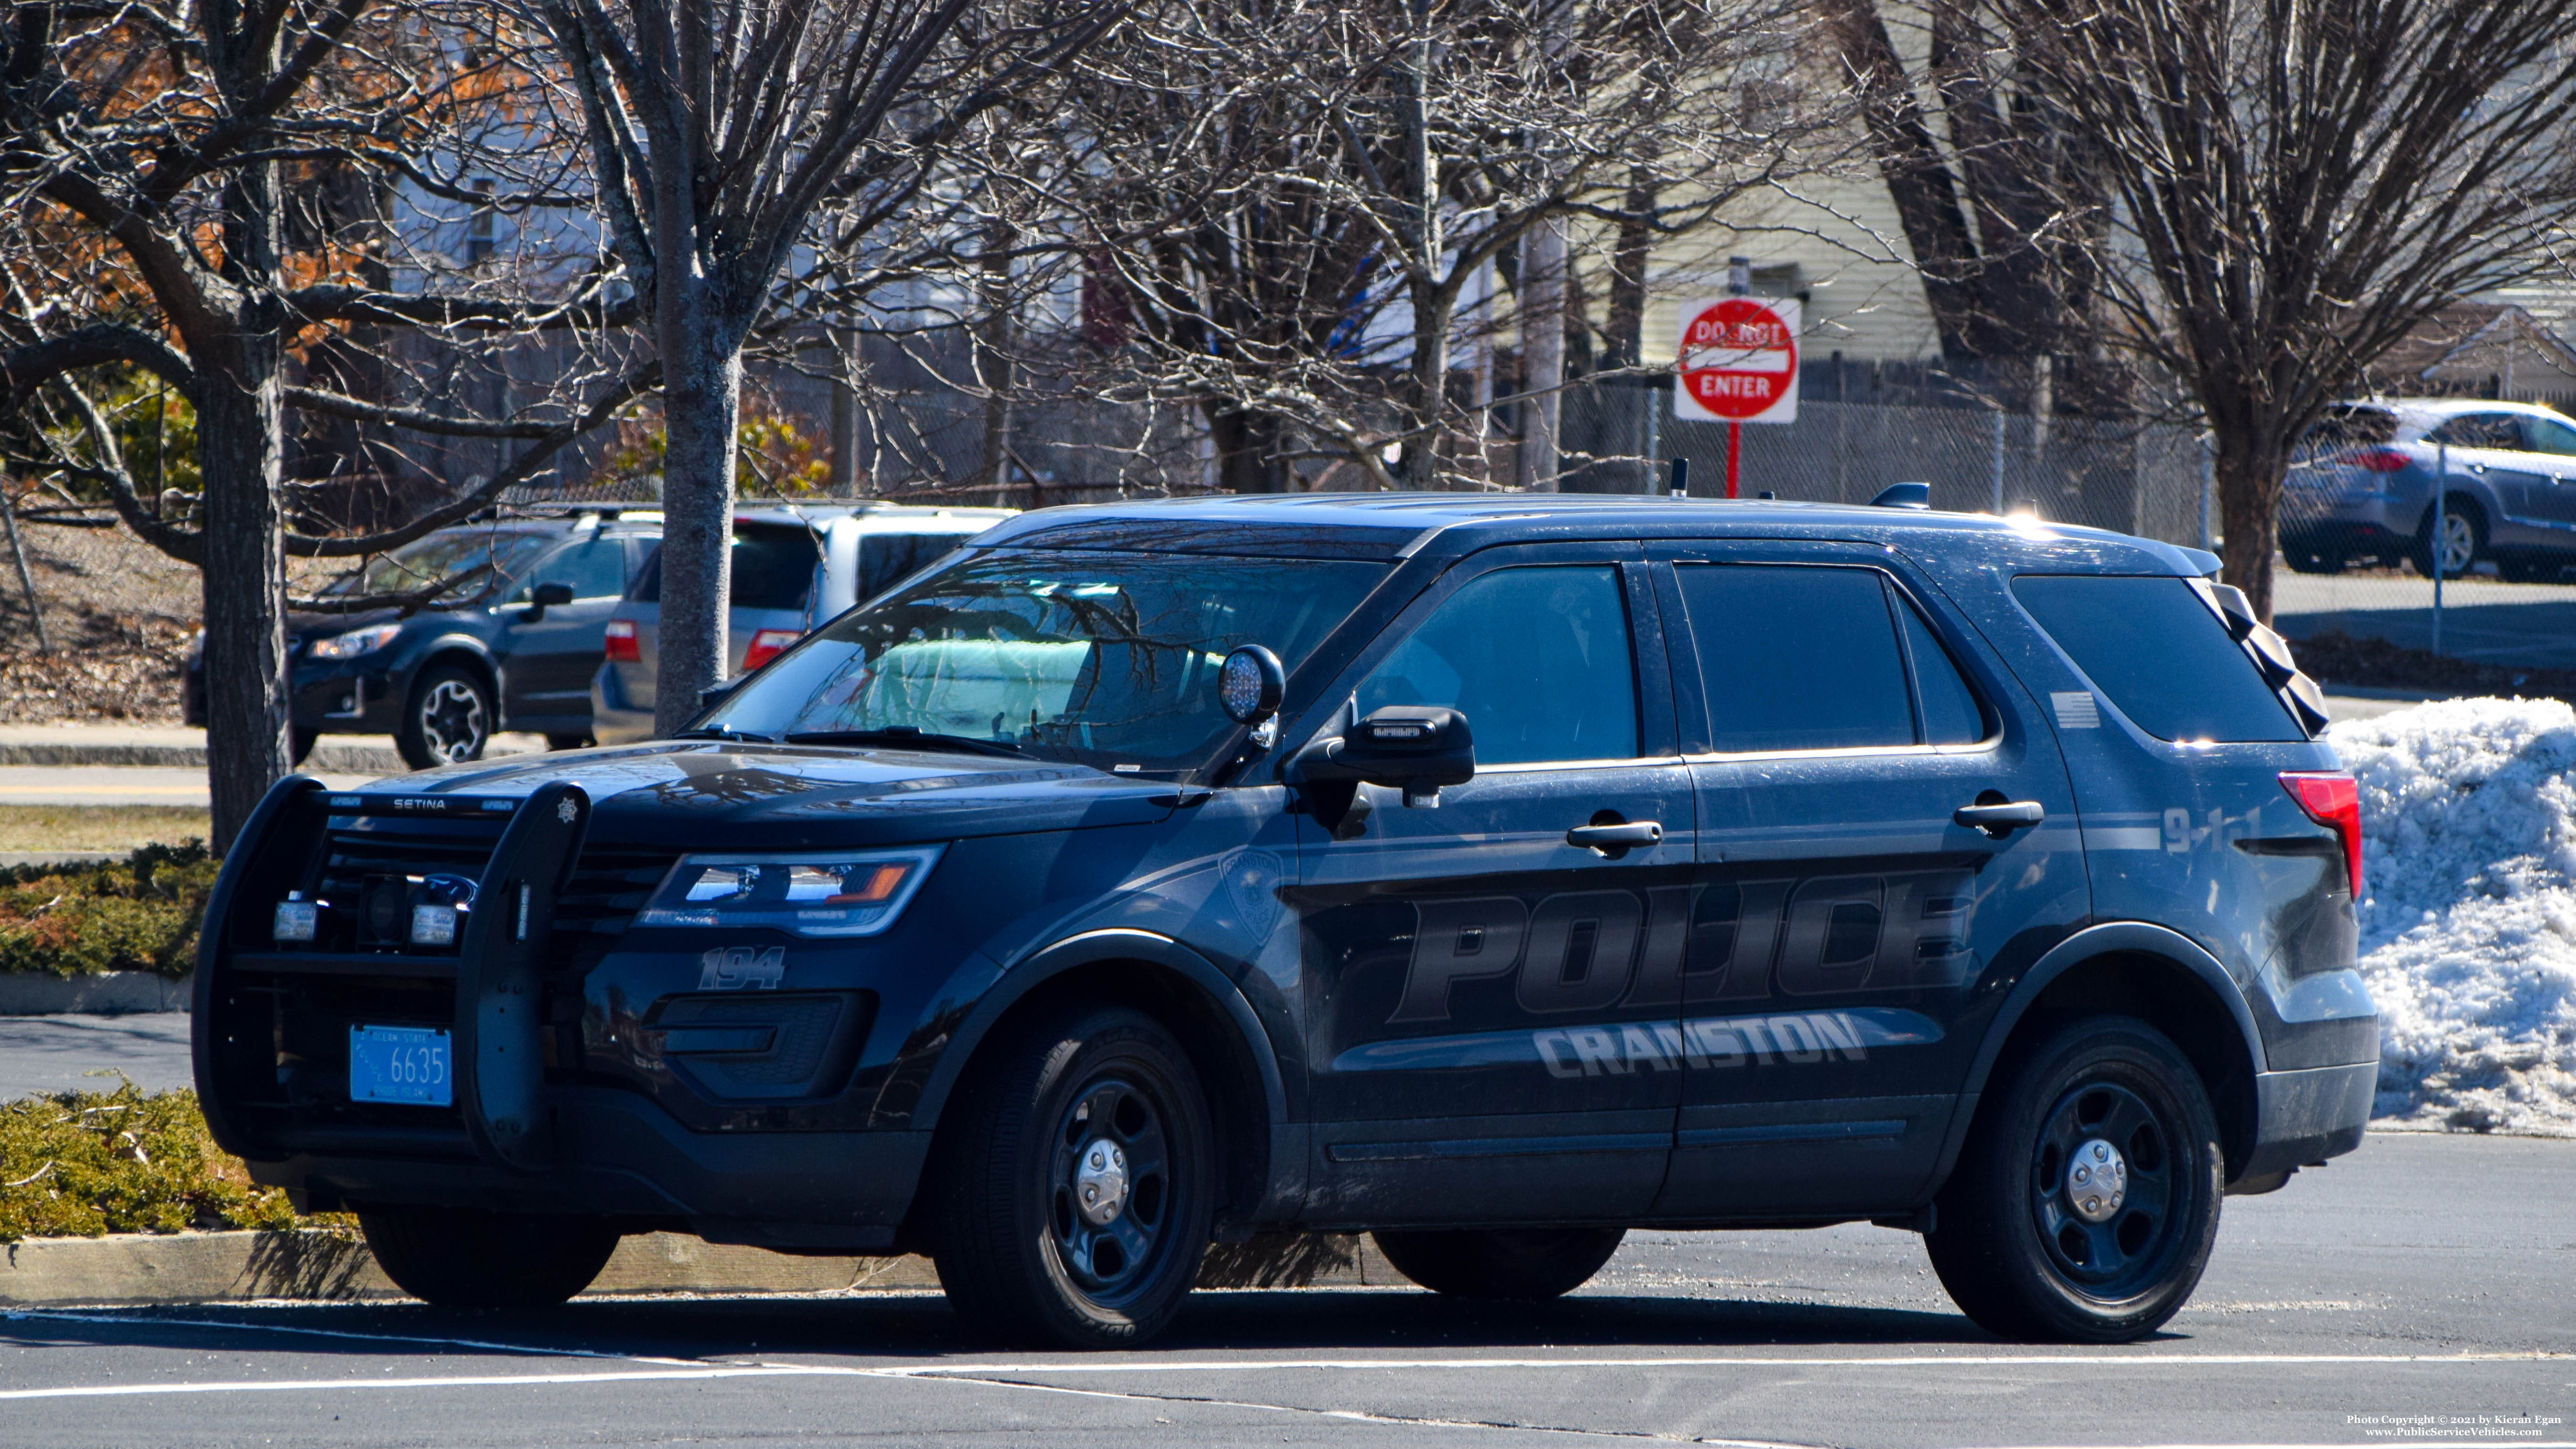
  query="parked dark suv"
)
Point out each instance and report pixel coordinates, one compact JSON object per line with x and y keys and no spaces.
{"x":1493,"y":874}
{"x":511,"y":648}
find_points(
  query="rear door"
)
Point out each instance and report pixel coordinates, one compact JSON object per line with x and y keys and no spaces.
{"x":1843,"y":923}
{"x":1490,"y":1007}
{"x":545,"y":680}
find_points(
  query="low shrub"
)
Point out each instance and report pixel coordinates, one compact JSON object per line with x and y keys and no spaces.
{"x":135,"y":914}
{"x":85,"y":1164}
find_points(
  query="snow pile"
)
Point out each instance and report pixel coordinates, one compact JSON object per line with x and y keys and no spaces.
{"x":2468,"y":935}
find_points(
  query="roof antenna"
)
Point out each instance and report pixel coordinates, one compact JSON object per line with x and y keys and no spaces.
{"x":1903,"y":495}
{"x":1681,"y":477}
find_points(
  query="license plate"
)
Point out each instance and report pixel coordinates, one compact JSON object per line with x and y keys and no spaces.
{"x":407,"y":1064}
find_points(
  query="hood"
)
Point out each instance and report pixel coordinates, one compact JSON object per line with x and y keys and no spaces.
{"x":720,"y":795}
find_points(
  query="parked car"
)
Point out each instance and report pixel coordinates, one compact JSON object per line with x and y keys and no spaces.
{"x":1491,"y":874}
{"x":794,"y":566}
{"x":2366,"y":488}
{"x":512,"y":649}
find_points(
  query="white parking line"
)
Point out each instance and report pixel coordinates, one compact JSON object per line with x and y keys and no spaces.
{"x":2103,"y":1360}
{"x":460,"y":1381}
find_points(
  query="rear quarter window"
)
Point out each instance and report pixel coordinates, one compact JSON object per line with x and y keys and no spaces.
{"x":773,"y":568}
{"x":2159,"y":655}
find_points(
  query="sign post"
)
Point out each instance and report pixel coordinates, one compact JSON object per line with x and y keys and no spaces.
{"x":1738,"y":363}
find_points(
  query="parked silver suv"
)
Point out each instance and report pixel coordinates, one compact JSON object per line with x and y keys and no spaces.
{"x":2365,"y":490}
{"x":794,"y":566}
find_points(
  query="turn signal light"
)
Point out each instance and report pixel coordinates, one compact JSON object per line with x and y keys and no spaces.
{"x":766,"y":645}
{"x":2334,"y":801}
{"x":2376,"y":460}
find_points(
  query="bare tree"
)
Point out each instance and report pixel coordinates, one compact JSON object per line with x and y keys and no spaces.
{"x":170,"y":177}
{"x":2293,"y":186}
{"x":719,"y":129}
{"x":1308,"y":193}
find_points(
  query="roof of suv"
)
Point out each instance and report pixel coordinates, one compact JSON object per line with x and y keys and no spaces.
{"x":1401,"y":525}
{"x":2416,"y":415}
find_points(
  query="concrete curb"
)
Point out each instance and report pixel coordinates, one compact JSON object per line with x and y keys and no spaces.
{"x":32,"y":993}
{"x":327,"y":758}
{"x":139,"y":1270}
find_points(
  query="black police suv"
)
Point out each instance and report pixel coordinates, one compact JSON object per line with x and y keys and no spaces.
{"x":512,"y":646}
{"x":1490,"y":873}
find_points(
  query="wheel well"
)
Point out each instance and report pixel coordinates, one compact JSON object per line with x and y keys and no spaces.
{"x":1225,"y":1064}
{"x":2173,"y":1000}
{"x":2461,"y":501}
{"x":466,"y":659}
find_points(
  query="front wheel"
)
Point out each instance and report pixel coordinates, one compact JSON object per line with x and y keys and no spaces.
{"x":1076,"y":1187}
{"x":2085,"y":1205}
{"x":1510,"y":1264}
{"x":2458,"y":537}
{"x":449,"y":721}
{"x":459,"y":1259}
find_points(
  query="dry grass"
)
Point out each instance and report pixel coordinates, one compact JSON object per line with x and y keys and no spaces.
{"x":85,"y":1164}
{"x":119,"y":613}
{"x":99,"y":827}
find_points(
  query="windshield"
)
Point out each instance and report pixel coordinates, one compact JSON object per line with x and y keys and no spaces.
{"x":420,"y":564}
{"x":1103,"y":659}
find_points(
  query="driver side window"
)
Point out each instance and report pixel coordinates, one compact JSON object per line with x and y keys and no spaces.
{"x":1537,"y":658}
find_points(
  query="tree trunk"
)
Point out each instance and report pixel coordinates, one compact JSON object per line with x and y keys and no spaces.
{"x":1543,"y":354}
{"x":701,"y":404}
{"x":2249,"y":510}
{"x":1432,"y":316}
{"x":244,"y":582}
{"x":994,"y":369}
{"x":1247,"y":451}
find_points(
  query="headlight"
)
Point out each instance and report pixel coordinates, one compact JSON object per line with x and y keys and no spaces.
{"x":839,"y":893}
{"x":355,"y":642}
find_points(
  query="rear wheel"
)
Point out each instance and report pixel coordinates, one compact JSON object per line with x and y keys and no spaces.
{"x":2084,"y":1207}
{"x":300,"y":742}
{"x":459,"y":1259}
{"x":568,"y":742}
{"x":2312,"y":561}
{"x":2462,"y":533}
{"x":1075,"y":1188}
{"x":1524,"y":1264}
{"x":449,"y":720}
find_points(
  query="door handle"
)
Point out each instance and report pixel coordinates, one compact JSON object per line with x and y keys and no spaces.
{"x":1627,"y":836}
{"x":2000,"y":820}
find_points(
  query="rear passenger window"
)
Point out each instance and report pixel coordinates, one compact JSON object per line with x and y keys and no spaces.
{"x":1951,"y":715}
{"x":2159,"y":654}
{"x":1536,"y":658}
{"x":1797,"y":657}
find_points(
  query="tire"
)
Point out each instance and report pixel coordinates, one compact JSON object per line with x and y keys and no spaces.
{"x":1521,"y":1265}
{"x":1027,"y":1250}
{"x":568,"y":742}
{"x":2013,"y":1244}
{"x":448,"y":720}
{"x":459,"y":1259}
{"x":2309,"y":561}
{"x":300,"y":742}
{"x":2468,"y":539}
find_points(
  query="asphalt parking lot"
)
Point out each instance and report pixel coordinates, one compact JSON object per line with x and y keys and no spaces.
{"x":2429,"y":1278}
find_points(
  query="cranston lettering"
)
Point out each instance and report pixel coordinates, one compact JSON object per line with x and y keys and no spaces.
{"x":1716,"y":1042}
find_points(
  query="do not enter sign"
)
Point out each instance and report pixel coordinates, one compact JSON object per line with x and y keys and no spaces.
{"x":1739,"y":361}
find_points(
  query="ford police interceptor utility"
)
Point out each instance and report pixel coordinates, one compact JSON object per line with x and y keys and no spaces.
{"x":1493,"y":874}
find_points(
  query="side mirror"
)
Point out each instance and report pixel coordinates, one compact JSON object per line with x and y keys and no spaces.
{"x":1415,"y":748}
{"x":544,"y":597}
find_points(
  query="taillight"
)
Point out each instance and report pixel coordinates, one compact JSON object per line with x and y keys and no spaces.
{"x":2376,"y":460}
{"x":766,"y":645}
{"x":2334,"y":801}
{"x":621,"y":642}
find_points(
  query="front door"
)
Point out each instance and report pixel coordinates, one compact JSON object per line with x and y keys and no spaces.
{"x":1490,"y":1006}
{"x":2549,"y":456}
{"x":1846,"y":923}
{"x":546,"y":677}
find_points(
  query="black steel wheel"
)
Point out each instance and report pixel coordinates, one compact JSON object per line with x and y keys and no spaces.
{"x":1076,"y":1186}
{"x":460,"y":1259}
{"x":2085,"y":1204}
{"x":1510,"y":1264}
{"x":449,"y":720}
